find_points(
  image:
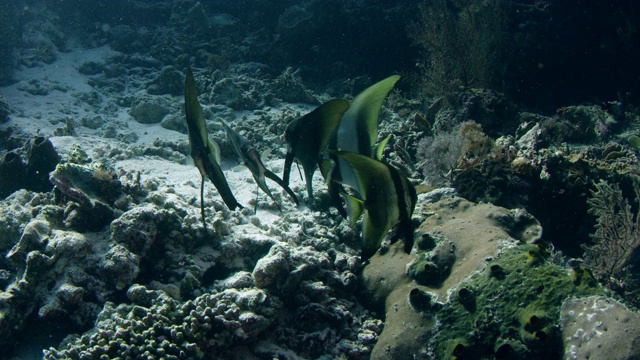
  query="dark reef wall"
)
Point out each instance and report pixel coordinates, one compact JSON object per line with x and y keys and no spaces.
{"x":552,"y":54}
{"x":575,"y":51}
{"x":10,"y":28}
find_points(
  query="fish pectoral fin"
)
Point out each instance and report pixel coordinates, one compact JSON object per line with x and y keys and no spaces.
{"x":373,"y":232}
{"x":265,"y":153}
{"x":355,"y":208}
{"x":327,"y":167}
{"x":377,"y":152}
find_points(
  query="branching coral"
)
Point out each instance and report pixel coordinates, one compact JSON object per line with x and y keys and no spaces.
{"x":158,"y":326}
{"x":617,"y":236}
{"x":463,"y":41}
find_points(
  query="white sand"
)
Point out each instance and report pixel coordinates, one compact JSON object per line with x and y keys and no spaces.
{"x":34,"y":114}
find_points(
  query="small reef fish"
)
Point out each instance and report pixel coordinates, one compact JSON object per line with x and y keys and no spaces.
{"x":205,"y":153}
{"x":251,"y":159}
{"x":308,"y":136}
{"x":388,"y":198}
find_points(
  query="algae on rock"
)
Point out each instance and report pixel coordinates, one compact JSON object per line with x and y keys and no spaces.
{"x":491,"y":291}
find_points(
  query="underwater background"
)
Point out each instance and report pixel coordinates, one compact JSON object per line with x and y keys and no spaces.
{"x":504,"y":157}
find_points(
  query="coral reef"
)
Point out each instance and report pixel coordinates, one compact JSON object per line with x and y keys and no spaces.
{"x":594,"y":327}
{"x":154,"y":325}
{"x":187,"y":294}
{"x":99,"y":224}
{"x":234,"y":313}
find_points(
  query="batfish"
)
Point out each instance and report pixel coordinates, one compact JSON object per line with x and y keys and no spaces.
{"x":205,"y":153}
{"x":251,"y":159}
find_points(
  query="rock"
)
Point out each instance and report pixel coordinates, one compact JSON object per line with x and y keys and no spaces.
{"x":149,"y":109}
{"x":174,"y":122}
{"x":95,"y":180}
{"x":91,"y":68}
{"x":598,"y":327}
{"x":586,"y":124}
{"x":477,"y":231}
{"x":492,"y":110}
{"x":239,"y":280}
{"x":33,"y":175}
{"x":15,"y":212}
{"x":13,"y":173}
{"x":5,"y":110}
{"x":119,"y":267}
{"x":169,"y":81}
{"x":271,"y":269}
{"x":117,"y":130}
{"x":289,"y":88}
{"x":530,"y":140}
{"x":136,"y":229}
{"x":92,"y":121}
{"x":433,"y":268}
{"x":142,"y":296}
{"x":236,"y":94}
{"x":55,"y":274}
{"x":34,"y":237}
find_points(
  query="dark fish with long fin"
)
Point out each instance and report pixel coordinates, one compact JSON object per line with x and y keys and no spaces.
{"x":205,"y":153}
{"x":388,"y":198}
{"x":251,"y":159}
{"x":357,"y":133}
{"x":358,"y":130}
{"x":309,"y":135}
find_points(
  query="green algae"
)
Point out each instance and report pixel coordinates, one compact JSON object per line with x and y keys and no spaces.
{"x":513,"y":316}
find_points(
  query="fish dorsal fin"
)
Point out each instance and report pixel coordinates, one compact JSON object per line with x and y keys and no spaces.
{"x":309,"y":135}
{"x":215,"y":150}
{"x":236,"y":140}
{"x":195,"y":120}
{"x":358,"y":130}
